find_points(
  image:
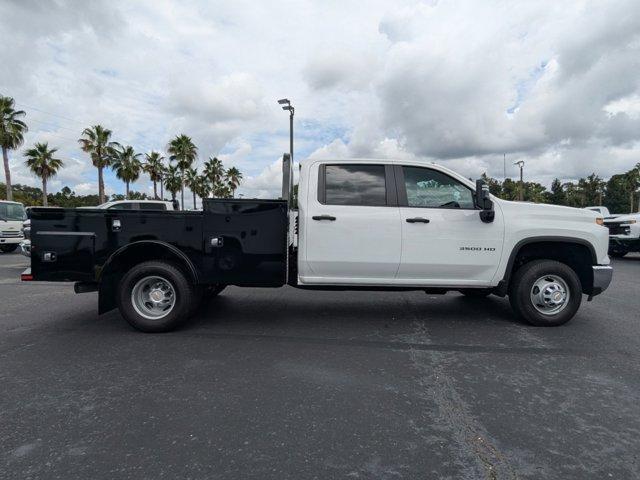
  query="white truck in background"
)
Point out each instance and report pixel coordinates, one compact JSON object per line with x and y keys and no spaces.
{"x":12,"y":214}
{"x":624,"y":231}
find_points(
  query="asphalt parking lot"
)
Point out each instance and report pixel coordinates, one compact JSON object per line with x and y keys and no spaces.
{"x":298,"y":384}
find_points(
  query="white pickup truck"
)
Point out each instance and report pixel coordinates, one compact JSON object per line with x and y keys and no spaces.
{"x":624,"y":231}
{"x":360,"y":225}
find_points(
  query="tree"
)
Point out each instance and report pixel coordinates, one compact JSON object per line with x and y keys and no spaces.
{"x":632,"y":180}
{"x":202,"y":187}
{"x":126,"y":163}
{"x":214,"y":171}
{"x":510,"y":189}
{"x":183,"y":151}
{"x":154,"y":167}
{"x":615,"y":195}
{"x":593,"y":189}
{"x":173,"y":180}
{"x":234,"y":177}
{"x":12,"y":131}
{"x":101,"y":150}
{"x":191,"y":180}
{"x":495,"y":188}
{"x":556,"y":196}
{"x":534,"y":192}
{"x":41,"y":161}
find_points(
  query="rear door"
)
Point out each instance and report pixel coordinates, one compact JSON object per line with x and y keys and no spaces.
{"x":352,"y":226}
{"x":444,"y":242}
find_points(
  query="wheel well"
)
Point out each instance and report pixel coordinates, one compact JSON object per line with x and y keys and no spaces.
{"x":138,"y":252}
{"x":576,"y":255}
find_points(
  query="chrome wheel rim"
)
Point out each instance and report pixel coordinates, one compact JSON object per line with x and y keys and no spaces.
{"x":153,"y":297}
{"x":550,"y":294}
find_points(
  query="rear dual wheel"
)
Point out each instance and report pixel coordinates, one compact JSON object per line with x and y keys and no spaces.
{"x":156,"y":297}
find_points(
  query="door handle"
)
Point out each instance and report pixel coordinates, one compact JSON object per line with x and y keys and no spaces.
{"x":417,"y":220}
{"x":324,"y":217}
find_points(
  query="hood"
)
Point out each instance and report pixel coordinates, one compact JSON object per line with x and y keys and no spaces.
{"x":547,"y":209}
{"x":624,"y":218}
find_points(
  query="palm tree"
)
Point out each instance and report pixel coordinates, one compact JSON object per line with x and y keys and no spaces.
{"x":191,"y":180}
{"x":214,"y":171}
{"x":203,"y":187}
{"x":173,"y":180}
{"x":41,"y":161}
{"x":101,"y":150}
{"x":184,"y":152}
{"x":126,"y":163}
{"x":154,"y":167}
{"x":12,"y":131}
{"x":234,"y":177}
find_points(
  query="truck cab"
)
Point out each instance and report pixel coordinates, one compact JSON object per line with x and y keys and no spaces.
{"x":12,"y":214}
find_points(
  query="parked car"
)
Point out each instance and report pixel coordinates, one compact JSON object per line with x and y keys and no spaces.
{"x":360,"y":224}
{"x":12,"y":214}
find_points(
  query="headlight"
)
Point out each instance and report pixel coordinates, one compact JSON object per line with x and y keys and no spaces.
{"x":628,"y":222}
{"x":600,"y":221}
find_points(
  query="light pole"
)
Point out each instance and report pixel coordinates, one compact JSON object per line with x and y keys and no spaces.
{"x":286,"y":105}
{"x":520,"y":163}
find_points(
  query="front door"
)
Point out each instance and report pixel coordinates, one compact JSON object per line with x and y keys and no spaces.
{"x":444,"y":242}
{"x":351,"y":228}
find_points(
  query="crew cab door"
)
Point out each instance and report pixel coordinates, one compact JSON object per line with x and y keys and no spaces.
{"x":444,"y":242}
{"x":350,"y":225}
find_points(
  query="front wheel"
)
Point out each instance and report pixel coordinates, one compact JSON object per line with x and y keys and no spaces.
{"x":8,"y":248}
{"x":616,"y":253}
{"x":155,"y":297}
{"x":545,"y":293}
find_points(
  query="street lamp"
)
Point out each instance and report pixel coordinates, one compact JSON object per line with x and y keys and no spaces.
{"x":286,"y":105}
{"x":520,"y":163}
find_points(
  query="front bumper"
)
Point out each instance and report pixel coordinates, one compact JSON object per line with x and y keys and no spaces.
{"x":624,"y":242}
{"x":602,"y":275}
{"x":10,"y":240}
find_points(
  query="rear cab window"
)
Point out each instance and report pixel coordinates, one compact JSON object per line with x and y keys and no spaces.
{"x":355,"y":184}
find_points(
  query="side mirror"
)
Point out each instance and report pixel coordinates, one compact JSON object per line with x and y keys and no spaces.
{"x":483,"y":201}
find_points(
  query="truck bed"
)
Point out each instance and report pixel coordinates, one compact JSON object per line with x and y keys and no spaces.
{"x":232,"y":241}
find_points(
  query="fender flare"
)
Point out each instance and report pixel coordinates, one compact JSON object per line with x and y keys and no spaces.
{"x":171,"y":248}
{"x":502,"y":285}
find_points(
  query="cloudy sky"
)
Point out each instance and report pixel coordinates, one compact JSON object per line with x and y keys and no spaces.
{"x":556,"y":84}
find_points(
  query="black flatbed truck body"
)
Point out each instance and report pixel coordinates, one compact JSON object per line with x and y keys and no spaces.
{"x":230,"y":242}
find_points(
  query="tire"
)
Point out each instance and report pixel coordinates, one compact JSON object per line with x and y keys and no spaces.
{"x":618,"y":253}
{"x":550,"y":278}
{"x":170,"y":286}
{"x":8,"y":248}
{"x":476,"y":292}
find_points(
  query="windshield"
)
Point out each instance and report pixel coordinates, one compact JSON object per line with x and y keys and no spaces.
{"x":12,"y":212}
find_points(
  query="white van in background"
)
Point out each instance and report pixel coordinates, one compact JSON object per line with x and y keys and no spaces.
{"x":12,"y":215}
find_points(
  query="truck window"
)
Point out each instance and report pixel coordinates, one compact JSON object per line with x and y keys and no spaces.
{"x":363,"y":185}
{"x":432,"y":189}
{"x":12,"y":212}
{"x":124,"y":206}
{"x":152,"y":206}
